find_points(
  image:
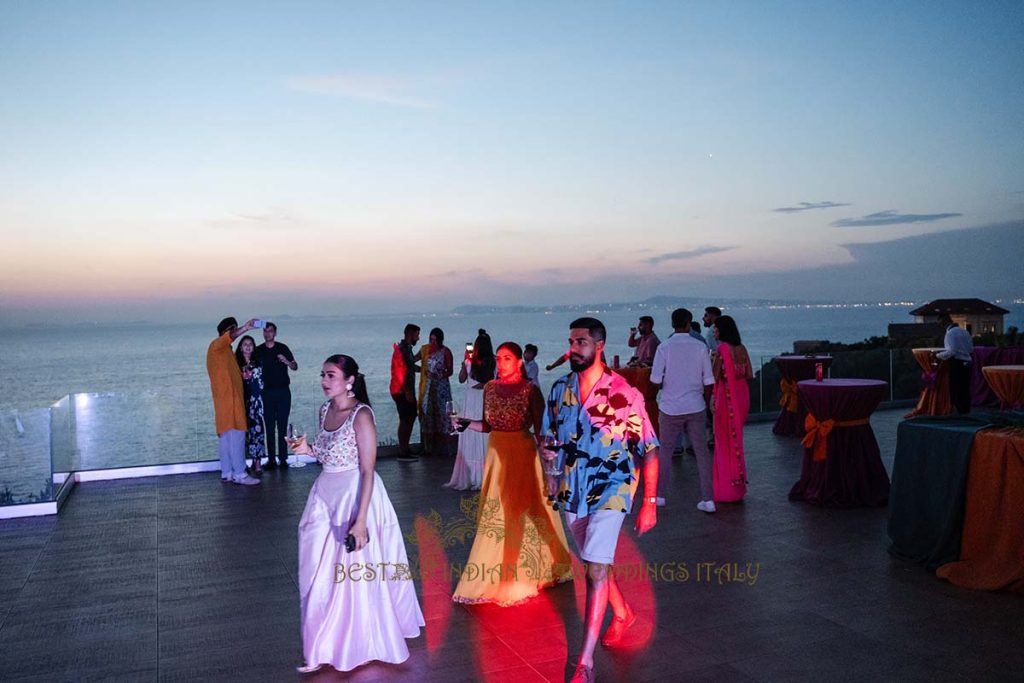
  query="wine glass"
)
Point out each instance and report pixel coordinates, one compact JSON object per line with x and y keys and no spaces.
{"x":552,"y":468}
{"x":291,"y":436}
{"x":449,"y":409}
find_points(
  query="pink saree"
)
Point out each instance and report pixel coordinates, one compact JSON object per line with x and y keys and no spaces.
{"x":732,"y":404}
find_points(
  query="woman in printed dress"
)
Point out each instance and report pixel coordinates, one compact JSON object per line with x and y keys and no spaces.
{"x":732,"y":370}
{"x":252,"y":378}
{"x":349,"y":617}
{"x":520,"y":546}
{"x":478,"y":369}
{"x":435,"y":391}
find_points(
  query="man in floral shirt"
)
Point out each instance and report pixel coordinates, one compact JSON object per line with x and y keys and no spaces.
{"x":604,"y":432}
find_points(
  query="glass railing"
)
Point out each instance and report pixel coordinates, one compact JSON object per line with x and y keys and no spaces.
{"x":25,"y":445}
{"x":897,"y":367}
{"x":101,"y":431}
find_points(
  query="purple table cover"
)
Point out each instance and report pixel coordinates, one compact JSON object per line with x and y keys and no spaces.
{"x":796,"y":368}
{"x":981,"y":392}
{"x":853,"y":474}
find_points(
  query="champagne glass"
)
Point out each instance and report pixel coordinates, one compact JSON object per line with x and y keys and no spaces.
{"x":449,"y":409}
{"x":291,"y":436}
{"x":552,"y":468}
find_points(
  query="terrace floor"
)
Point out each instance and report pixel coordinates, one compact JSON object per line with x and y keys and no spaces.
{"x":184,"y":578}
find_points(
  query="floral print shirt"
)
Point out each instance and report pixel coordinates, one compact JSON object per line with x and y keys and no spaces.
{"x":605,"y":439}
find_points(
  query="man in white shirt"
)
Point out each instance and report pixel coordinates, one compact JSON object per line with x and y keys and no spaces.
{"x":532,"y":371}
{"x":711,"y":314}
{"x":682,"y":370}
{"x":957,"y":348}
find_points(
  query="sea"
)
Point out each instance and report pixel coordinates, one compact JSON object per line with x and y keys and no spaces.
{"x":40,"y":364}
{"x":99,"y":396}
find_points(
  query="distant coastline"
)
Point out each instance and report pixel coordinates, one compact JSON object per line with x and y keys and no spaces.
{"x":660,"y":302}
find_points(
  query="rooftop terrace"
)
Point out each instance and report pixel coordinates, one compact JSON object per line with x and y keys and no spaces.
{"x":184,"y":578}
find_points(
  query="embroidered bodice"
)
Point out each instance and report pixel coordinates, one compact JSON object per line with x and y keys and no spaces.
{"x":509,"y":413}
{"x":740,"y":362}
{"x":337,"y":451}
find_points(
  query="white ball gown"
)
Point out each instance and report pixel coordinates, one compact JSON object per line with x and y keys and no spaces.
{"x":357,"y":606}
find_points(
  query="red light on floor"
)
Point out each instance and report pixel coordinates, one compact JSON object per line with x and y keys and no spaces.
{"x":433,"y":574}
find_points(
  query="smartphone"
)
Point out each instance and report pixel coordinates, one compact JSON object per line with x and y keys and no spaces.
{"x":469,"y":347}
{"x":259,"y":323}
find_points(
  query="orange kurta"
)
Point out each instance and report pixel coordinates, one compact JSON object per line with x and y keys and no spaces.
{"x":226,"y":385}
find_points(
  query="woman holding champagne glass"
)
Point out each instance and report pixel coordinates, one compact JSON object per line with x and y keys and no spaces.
{"x":520,"y":546}
{"x":349,"y":525}
{"x":478,"y":368}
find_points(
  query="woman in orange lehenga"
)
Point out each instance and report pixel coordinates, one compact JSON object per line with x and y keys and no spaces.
{"x":520,"y":545}
{"x":731,"y":368}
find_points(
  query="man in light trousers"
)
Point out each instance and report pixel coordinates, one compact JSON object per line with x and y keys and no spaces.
{"x":682,"y":370}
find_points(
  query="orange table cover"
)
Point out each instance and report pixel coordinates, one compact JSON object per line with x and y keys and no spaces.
{"x":935,"y":390}
{"x":640,"y":377}
{"x":1007,"y":381}
{"x":992,"y":545}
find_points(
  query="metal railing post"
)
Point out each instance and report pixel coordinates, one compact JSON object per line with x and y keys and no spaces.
{"x":890,"y":376}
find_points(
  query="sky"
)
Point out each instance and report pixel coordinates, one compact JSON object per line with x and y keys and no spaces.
{"x":176,"y":160}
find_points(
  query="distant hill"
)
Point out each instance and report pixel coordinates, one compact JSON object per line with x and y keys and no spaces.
{"x":660,"y":302}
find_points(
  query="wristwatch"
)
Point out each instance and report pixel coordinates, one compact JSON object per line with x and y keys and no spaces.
{"x":651,"y":499}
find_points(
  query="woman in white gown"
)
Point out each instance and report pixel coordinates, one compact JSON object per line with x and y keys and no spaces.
{"x":479,"y":368}
{"x":358,"y":605}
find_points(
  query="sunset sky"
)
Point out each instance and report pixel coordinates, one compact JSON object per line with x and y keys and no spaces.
{"x":171,"y":159}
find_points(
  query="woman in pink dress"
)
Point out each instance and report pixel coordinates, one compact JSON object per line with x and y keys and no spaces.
{"x":349,"y":617}
{"x":732,"y":370}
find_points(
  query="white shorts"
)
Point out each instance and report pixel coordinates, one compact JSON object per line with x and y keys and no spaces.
{"x":596,"y":535}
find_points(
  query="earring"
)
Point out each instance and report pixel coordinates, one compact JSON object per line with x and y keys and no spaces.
{"x":348,"y":388}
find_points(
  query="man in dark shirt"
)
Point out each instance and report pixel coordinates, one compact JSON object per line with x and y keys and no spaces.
{"x":403,"y":389}
{"x":276,"y":359}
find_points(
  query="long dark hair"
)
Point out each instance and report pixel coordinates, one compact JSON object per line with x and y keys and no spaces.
{"x":517,"y":351}
{"x":484,"y":366}
{"x":439,"y":333}
{"x":240,"y":357}
{"x":727,"y":330}
{"x":350,"y":368}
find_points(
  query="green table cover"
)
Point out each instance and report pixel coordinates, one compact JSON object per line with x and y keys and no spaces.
{"x":929,"y":480}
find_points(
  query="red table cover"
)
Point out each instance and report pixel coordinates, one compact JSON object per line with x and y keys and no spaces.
{"x":852,"y":475}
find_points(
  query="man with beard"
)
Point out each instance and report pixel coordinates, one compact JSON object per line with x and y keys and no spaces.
{"x":602,"y":427}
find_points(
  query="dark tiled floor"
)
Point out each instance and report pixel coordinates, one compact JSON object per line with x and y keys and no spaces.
{"x":184,"y":578}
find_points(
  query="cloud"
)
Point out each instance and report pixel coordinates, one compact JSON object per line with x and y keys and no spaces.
{"x":890,"y":217}
{"x":275,"y":218}
{"x":381,"y":89}
{"x":807,"y":206}
{"x":688,"y":254}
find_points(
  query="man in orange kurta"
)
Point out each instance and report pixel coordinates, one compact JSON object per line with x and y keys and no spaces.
{"x":229,"y":401}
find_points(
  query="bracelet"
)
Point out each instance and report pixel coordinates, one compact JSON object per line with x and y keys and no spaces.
{"x":651,"y":499}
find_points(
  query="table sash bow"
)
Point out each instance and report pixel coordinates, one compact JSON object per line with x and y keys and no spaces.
{"x":790,"y":398}
{"x":818,"y":431}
